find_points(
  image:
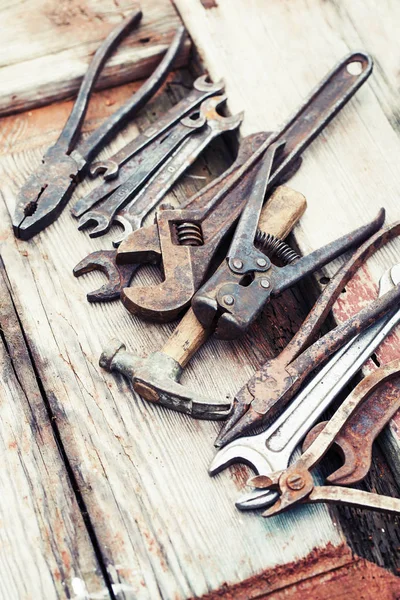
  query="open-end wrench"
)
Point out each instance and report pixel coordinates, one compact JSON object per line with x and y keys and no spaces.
{"x":272,"y":449}
{"x":202,"y":89}
{"x":131,"y":217}
{"x":354,"y":442}
{"x":120,"y":275}
{"x":103,"y":215}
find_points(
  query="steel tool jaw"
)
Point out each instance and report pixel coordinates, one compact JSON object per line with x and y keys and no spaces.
{"x":45,"y":193}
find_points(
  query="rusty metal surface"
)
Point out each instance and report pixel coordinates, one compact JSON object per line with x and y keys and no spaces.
{"x":354,"y":441}
{"x":202,"y":89}
{"x":101,"y":216}
{"x":185,"y":267}
{"x":46,"y":192}
{"x":296,"y":485}
{"x":275,"y":383}
{"x":118,"y":276}
{"x":105,"y":260}
{"x":156,"y":378}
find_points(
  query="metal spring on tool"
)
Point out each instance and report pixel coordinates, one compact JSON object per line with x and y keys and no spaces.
{"x":273,"y":246}
{"x":189,"y":234}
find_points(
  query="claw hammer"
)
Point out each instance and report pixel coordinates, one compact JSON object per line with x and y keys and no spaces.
{"x":156,"y":378}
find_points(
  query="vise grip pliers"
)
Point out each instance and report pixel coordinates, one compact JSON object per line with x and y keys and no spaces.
{"x":187,"y":239}
{"x":45,"y":193}
{"x":272,"y":449}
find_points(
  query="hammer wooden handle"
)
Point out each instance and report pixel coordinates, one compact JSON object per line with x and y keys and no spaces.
{"x":278,"y":218}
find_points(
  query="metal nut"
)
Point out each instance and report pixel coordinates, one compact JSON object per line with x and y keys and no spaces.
{"x":295,"y":482}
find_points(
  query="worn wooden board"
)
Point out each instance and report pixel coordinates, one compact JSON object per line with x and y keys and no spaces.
{"x":164,"y":527}
{"x":46,"y":551}
{"x":351,"y":170}
{"x":46,"y":46}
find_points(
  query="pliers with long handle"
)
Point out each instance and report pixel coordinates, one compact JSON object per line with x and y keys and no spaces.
{"x":272,"y":449}
{"x":45,"y":193}
{"x":276,"y":381}
{"x":295,"y":485}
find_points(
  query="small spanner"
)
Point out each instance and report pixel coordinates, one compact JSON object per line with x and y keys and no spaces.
{"x":120,"y":275}
{"x":202,"y":89}
{"x":103,"y":215}
{"x":272,"y":449}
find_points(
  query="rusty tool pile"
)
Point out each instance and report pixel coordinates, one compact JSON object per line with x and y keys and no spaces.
{"x":280,"y":399}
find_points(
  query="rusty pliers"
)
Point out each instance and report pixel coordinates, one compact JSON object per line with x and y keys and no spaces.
{"x":276,"y":381}
{"x":45,"y":193}
{"x":295,"y":484}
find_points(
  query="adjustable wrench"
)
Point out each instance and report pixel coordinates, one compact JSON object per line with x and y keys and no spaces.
{"x":272,"y":449}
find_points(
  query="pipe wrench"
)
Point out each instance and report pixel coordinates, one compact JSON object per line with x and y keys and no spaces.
{"x":273,"y":449}
{"x":295,"y":484}
{"x":46,"y":192}
{"x":187,"y":239}
{"x":117,"y":169}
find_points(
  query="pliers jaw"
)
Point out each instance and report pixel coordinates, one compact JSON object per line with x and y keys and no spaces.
{"x":293,"y":485}
{"x":231,"y":296}
{"x":45,"y":193}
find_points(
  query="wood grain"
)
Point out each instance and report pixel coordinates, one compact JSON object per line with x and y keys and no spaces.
{"x":46,"y":551}
{"x":46,"y":48}
{"x":166,"y":529}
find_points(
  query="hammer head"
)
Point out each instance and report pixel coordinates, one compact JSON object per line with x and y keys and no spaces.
{"x":156,"y":379}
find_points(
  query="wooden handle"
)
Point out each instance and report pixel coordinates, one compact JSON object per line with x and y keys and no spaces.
{"x":278,"y":217}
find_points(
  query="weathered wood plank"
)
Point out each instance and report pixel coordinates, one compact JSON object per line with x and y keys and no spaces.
{"x":47,"y":46}
{"x":46,"y":551}
{"x":166,"y":529}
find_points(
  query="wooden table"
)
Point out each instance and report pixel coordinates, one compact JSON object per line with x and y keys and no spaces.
{"x":106,"y":496}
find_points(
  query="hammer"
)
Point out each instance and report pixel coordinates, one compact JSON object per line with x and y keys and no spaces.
{"x":156,"y":378}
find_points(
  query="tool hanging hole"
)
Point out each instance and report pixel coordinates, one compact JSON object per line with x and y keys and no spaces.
{"x":324,"y":280}
{"x":355,"y":68}
{"x":189,"y":234}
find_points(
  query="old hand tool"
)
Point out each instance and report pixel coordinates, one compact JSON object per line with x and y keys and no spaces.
{"x":156,"y":378}
{"x":354,"y":441}
{"x":130,"y":156}
{"x":202,"y":89}
{"x":272,"y":449}
{"x":276,"y":382}
{"x":102,"y":215}
{"x":120,"y":275}
{"x":295,"y":484}
{"x":187,"y":239}
{"x":45,"y":193}
{"x":235,"y":294}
